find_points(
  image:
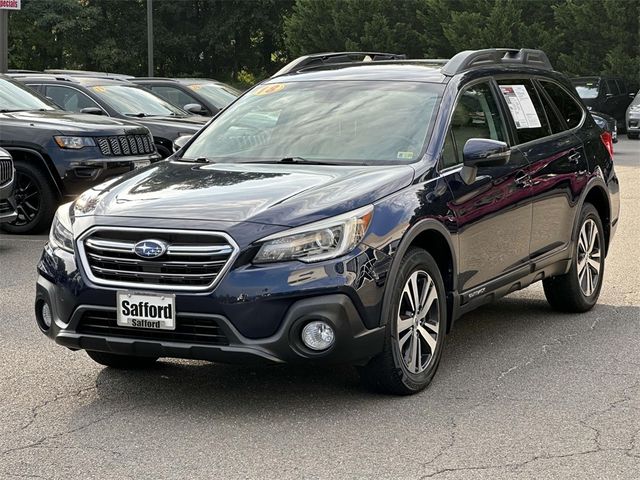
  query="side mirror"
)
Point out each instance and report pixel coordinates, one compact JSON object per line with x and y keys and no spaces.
{"x":180,"y":142}
{"x":482,"y":152}
{"x":609,"y":95}
{"x":92,"y":111}
{"x":195,"y":108}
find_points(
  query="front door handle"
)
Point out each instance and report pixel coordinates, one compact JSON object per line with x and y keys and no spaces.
{"x":522,"y":180}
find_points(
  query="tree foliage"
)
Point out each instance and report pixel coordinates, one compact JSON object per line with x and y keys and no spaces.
{"x":248,"y":39}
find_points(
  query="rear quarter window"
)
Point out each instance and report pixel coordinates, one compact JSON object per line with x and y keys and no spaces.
{"x":569,"y":109}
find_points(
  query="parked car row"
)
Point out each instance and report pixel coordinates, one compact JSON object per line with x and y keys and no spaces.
{"x":605,"y":95}
{"x":70,"y":130}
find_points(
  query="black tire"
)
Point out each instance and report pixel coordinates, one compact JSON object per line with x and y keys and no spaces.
{"x":163,"y":151}
{"x":566,"y":293}
{"x":123,"y":362}
{"x":388,"y":372}
{"x":35,"y":198}
{"x":633,"y":136}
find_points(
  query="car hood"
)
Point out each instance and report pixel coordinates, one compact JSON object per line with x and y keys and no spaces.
{"x":271,"y":194}
{"x":67,"y":122}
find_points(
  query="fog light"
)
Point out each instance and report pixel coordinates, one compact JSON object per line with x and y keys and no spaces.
{"x":47,"y":318}
{"x":318,"y":335}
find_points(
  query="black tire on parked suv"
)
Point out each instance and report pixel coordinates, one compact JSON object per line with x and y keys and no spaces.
{"x":124,"y":362}
{"x":36,"y":200}
{"x":633,"y":136}
{"x":579,"y":289}
{"x":415,"y":334}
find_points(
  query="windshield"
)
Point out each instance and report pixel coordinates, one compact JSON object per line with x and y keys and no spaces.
{"x":135,"y":101}
{"x":14,"y":98}
{"x":586,"y":88}
{"x":219,"y":95}
{"x":335,"y":121}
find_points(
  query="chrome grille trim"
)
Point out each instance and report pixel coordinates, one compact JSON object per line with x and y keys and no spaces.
{"x":6,"y":171}
{"x":98,"y":254}
{"x":126,"y":145}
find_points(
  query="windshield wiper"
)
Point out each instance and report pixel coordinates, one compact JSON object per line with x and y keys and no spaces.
{"x":139,"y":115}
{"x":196,"y":160}
{"x":295,"y":160}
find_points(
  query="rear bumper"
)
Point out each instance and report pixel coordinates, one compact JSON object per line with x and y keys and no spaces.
{"x":354,"y":343}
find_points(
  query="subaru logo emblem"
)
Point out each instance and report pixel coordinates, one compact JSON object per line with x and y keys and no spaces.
{"x":150,"y":248}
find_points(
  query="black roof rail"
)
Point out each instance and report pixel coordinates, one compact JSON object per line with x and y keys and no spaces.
{"x":40,"y":76}
{"x":496,"y":56}
{"x":317,"y":59}
{"x":164,"y":79}
{"x":89,"y":73}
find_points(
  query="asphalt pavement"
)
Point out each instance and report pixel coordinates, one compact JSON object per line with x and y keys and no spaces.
{"x":522,"y":392}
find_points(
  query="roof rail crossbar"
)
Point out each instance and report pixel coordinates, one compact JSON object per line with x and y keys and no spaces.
{"x":318,"y":59}
{"x":496,"y":56}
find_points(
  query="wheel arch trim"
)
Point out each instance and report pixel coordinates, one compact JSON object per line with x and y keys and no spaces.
{"x":596,"y":183}
{"x":44,"y":161}
{"x":406,"y":242}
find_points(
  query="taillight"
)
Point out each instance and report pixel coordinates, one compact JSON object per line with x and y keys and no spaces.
{"x":607,"y":139}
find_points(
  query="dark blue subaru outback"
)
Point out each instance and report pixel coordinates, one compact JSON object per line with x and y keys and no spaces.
{"x":348,"y":209}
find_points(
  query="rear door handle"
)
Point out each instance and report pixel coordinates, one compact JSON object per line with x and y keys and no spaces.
{"x":575,"y":158}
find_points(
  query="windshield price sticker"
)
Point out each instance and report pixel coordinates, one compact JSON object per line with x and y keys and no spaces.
{"x":99,"y":89}
{"x":269,"y":89}
{"x":522,"y":110}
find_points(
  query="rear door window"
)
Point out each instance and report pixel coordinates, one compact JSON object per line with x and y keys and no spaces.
{"x":569,"y":109}
{"x":525,"y":107}
{"x":173,"y":95}
{"x":612,"y":88}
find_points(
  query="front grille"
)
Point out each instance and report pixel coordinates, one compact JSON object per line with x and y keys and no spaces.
{"x":126,"y":145}
{"x":189,"y":329}
{"x":193,"y":260}
{"x":6,"y":171}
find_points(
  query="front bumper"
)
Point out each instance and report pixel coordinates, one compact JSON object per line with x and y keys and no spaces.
{"x":633,"y":123}
{"x":354,"y":343}
{"x":259,"y":308}
{"x":7,"y":206}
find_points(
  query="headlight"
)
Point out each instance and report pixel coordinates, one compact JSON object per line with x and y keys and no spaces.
{"x":74,"y":143}
{"x":318,"y":241}
{"x":60,"y":235}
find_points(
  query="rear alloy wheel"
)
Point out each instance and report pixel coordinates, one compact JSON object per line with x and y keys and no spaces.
{"x":589,"y":257}
{"x":34,"y":199}
{"x":579,"y":289}
{"x":415,"y":329}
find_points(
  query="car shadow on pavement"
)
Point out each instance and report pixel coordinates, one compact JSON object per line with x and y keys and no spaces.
{"x":513,"y":327}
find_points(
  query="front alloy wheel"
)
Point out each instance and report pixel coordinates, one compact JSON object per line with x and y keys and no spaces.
{"x":415,"y":328}
{"x":418,"y":322}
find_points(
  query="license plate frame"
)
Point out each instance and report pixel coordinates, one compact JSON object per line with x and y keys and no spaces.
{"x":146,"y":310}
